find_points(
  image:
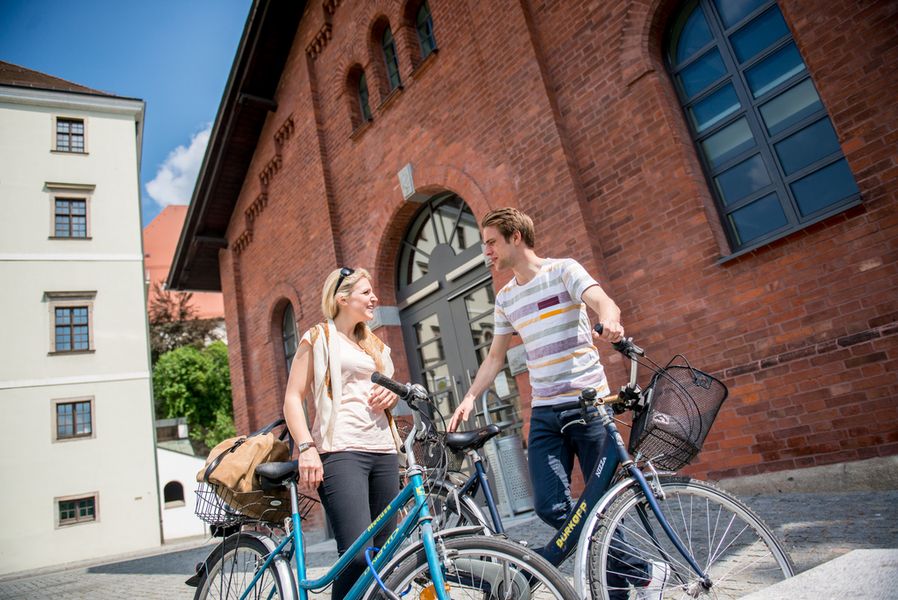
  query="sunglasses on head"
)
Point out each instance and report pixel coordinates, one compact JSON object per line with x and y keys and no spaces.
{"x":344,"y":273}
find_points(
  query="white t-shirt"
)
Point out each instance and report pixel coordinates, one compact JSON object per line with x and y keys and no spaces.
{"x":549,"y":314}
{"x":358,"y":427}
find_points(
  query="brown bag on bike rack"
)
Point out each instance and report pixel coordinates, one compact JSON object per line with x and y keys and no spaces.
{"x":231,"y":465}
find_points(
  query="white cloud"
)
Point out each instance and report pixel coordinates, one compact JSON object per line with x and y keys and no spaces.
{"x":176,"y":176}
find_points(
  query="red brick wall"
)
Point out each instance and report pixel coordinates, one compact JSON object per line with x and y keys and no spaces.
{"x":564,"y":109}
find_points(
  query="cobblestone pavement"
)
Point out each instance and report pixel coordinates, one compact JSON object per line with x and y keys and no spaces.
{"x":816,"y":528}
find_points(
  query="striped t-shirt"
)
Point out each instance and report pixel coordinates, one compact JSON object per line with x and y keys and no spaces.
{"x":550,"y":316}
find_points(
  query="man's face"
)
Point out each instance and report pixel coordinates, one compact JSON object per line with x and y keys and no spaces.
{"x":500,"y":253}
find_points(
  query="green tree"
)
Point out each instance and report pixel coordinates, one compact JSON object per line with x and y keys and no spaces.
{"x":174,"y":322}
{"x":196,"y":384}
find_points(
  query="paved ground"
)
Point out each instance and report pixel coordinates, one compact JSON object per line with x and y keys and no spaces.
{"x":816,"y":528}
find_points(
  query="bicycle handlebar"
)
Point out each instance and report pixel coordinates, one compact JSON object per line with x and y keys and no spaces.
{"x":625,"y":346}
{"x":400,"y":389}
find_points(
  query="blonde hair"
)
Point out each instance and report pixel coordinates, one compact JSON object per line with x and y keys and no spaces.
{"x":507,"y":221}
{"x":365,"y":338}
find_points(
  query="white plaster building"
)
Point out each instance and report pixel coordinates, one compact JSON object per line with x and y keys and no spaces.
{"x":79,"y":469}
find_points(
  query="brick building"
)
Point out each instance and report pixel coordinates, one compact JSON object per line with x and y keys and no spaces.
{"x":725,"y":168}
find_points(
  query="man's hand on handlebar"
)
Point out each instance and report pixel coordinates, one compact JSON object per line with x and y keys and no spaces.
{"x":612,"y":331}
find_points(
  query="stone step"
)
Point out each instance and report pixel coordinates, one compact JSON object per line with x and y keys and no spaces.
{"x":860,"y":574}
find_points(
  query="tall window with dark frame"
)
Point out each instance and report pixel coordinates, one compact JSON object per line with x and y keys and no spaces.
{"x":288,"y":334}
{"x":762,"y":133}
{"x":389,"y":47}
{"x":70,"y":218}
{"x":73,"y":420}
{"x":72,"y":328}
{"x":364,"y":106}
{"x":78,"y":510}
{"x":70,"y":135}
{"x":424,"y":26}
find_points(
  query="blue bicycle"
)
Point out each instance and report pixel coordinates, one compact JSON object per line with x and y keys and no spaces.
{"x":638,"y":528}
{"x":265,"y":558}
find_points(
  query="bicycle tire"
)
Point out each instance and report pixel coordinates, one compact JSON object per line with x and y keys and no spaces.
{"x":738,"y":551}
{"x":484,"y":568}
{"x":231,"y":566}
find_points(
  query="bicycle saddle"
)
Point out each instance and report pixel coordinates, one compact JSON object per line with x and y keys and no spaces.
{"x":462,"y":441}
{"x":272,"y":475}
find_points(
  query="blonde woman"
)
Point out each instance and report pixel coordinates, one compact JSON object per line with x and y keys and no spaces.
{"x":353,"y":464}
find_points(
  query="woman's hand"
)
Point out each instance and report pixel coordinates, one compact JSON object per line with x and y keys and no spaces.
{"x":311,"y":472}
{"x":380,"y":398}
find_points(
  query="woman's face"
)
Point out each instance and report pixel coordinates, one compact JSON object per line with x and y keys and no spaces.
{"x":360,"y":301}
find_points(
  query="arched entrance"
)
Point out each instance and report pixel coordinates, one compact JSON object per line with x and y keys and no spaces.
{"x":445,"y":296}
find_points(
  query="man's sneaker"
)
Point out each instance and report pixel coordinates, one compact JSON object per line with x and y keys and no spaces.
{"x":654,"y":589}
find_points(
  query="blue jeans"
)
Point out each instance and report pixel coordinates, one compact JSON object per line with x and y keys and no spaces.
{"x":550,"y":457}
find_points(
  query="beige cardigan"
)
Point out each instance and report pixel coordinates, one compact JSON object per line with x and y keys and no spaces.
{"x":327,"y":390}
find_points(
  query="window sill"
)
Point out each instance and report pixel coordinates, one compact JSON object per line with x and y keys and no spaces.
{"x":69,"y":237}
{"x":72,"y":152}
{"x":390,"y":99}
{"x":68,"y":352}
{"x":174,"y":504}
{"x":758,"y":246}
{"x":358,"y":131}
{"x":73,"y":438}
{"x":424,"y":64}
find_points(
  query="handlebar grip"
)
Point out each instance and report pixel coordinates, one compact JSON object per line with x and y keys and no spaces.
{"x":400,"y":389}
{"x":599,"y":328}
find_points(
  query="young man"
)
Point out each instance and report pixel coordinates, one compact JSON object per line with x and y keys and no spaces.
{"x":545,"y":303}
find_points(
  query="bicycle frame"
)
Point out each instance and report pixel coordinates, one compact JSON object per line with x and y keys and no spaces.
{"x":479,"y":480}
{"x":420,"y":514}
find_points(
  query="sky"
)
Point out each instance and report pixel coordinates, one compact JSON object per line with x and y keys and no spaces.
{"x":175,"y":55}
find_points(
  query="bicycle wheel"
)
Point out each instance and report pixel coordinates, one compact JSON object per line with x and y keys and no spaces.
{"x":737,"y":550}
{"x":232,"y":565}
{"x":482,"y":568}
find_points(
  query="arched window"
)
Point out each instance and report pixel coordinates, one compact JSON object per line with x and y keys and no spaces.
{"x":288,"y":333}
{"x":389,"y":47}
{"x":445,"y":222}
{"x":364,"y":106}
{"x":173,"y":494}
{"x":763,"y":135}
{"x":424,"y":26}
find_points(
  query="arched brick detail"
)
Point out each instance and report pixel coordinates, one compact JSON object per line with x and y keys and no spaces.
{"x":642,"y":63}
{"x":278,"y":296}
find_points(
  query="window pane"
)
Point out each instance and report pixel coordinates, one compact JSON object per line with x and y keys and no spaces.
{"x":62,"y":141}
{"x":745,"y":178}
{"x":79,"y":207}
{"x":758,"y":218}
{"x":427,"y":329}
{"x":759,"y":34}
{"x":824,"y":187}
{"x":77,"y":127}
{"x":806,"y":147}
{"x":774,"y":70}
{"x":431,"y":354}
{"x":693,"y":35}
{"x":62,"y":126}
{"x":79,"y":315}
{"x":424,"y":24}
{"x":714,"y":108}
{"x":62,"y":316}
{"x":790,"y":107}
{"x":728,"y":143}
{"x":702,"y":73}
{"x":82,"y":418}
{"x":733,"y":11}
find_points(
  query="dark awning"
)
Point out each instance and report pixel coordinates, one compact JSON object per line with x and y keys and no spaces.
{"x":247,"y":100}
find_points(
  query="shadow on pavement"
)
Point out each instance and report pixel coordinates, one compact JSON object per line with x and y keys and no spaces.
{"x":171,"y":563}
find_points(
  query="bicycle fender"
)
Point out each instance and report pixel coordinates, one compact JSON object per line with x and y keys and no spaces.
{"x":407,"y":551}
{"x":595,"y":514}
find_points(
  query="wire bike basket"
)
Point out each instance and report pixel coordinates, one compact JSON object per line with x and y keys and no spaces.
{"x":681,"y":405}
{"x":222,"y":507}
